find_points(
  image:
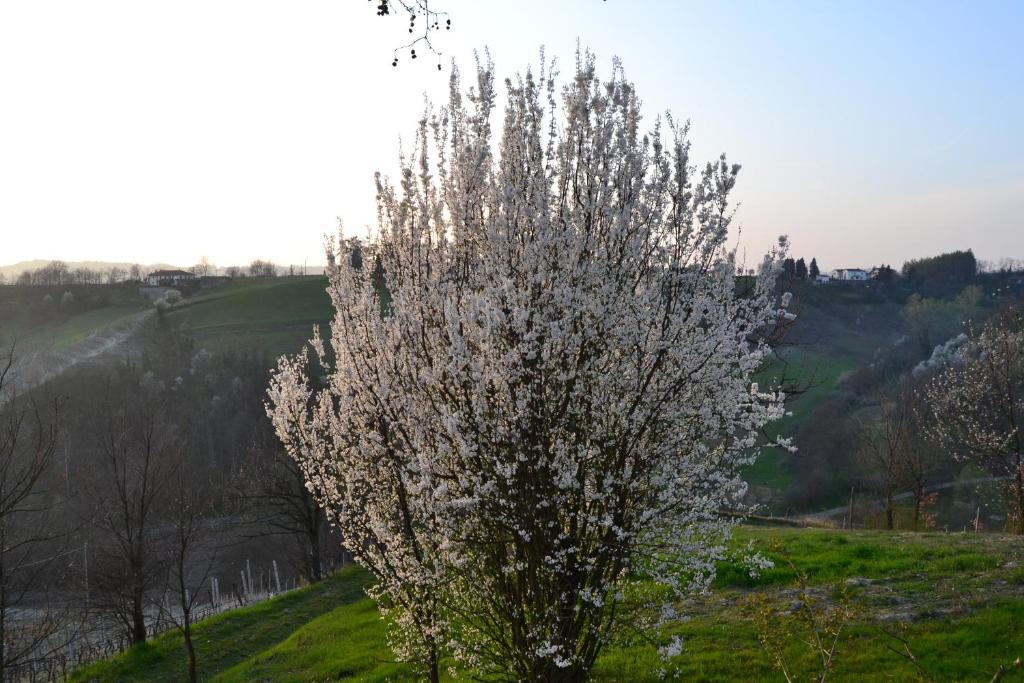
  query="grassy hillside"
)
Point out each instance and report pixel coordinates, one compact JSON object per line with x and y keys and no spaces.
{"x":960,"y":596}
{"x":838,"y":329}
{"x":37,"y":326}
{"x":274,"y":315}
{"x":66,"y":333}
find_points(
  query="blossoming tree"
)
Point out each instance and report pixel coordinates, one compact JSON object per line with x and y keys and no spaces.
{"x":976,"y":404}
{"x":537,"y":383}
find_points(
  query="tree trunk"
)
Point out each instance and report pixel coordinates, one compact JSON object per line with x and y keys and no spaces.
{"x":315,"y":559}
{"x":3,"y":609}
{"x":1020,"y":498}
{"x":434,"y":669}
{"x":553,"y":674}
{"x":889,"y":511}
{"x":187,"y":632}
{"x":314,"y":527}
{"x":138,"y":620}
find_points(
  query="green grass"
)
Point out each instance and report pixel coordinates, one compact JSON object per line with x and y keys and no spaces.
{"x":274,"y":315}
{"x":332,"y":632}
{"x":821,"y":374}
{"x":84,"y":325}
{"x":69,"y":331}
{"x":228,"y":639}
{"x":348,"y":642}
{"x":828,"y":556}
{"x":728,"y":649}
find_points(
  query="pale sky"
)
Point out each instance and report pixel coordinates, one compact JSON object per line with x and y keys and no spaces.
{"x":160,"y":130}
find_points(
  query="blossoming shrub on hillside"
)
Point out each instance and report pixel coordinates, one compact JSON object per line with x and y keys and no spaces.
{"x":536,"y":390}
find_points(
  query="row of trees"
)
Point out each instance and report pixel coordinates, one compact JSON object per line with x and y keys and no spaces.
{"x":799,"y":270}
{"x":941,"y":275}
{"x":59,"y":273}
{"x":260,"y":268}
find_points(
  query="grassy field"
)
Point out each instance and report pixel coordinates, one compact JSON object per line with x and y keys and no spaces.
{"x":820,"y":374}
{"x":960,"y":597}
{"x":66,"y":332}
{"x":274,"y":315}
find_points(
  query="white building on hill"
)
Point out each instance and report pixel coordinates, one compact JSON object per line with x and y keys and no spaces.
{"x":170,"y":278}
{"x":850,"y":274}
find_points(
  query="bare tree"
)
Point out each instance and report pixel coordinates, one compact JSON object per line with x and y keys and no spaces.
{"x":116,"y":274}
{"x":137,"y":450}
{"x":921,"y":457}
{"x":28,"y":439}
{"x":189,"y":552}
{"x":204,"y":267}
{"x":884,"y":444}
{"x":273,"y":492}
{"x":260,"y":268}
{"x":423,"y":22}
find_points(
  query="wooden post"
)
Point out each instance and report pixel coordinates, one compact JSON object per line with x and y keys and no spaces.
{"x":850,"y":513}
{"x":277,"y":577}
{"x":85,"y":564}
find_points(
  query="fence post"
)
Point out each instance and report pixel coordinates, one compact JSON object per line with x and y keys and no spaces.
{"x":851,"y":508}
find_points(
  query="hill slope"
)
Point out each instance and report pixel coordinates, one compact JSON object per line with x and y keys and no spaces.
{"x":962,"y":597}
{"x":272,"y":315}
{"x":50,"y":337}
{"x":839,"y":328}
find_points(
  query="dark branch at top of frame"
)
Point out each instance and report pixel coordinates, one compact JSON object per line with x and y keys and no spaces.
{"x":420,"y":14}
